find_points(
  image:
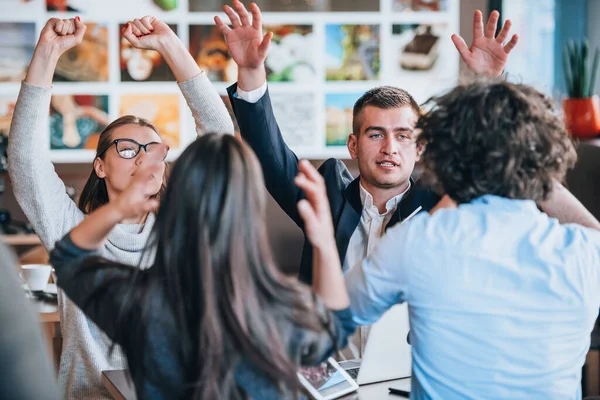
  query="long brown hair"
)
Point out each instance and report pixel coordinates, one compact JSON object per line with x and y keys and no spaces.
{"x":94,"y":193}
{"x":230,"y":304}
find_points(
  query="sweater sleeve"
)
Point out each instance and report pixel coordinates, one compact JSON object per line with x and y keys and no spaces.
{"x":38,"y":189}
{"x":208,"y":109}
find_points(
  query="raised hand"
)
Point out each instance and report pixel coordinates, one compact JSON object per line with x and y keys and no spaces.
{"x":245,"y":39}
{"x":135,"y":201}
{"x":60,"y":35}
{"x":57,"y":36}
{"x":149,"y":33}
{"x":314,"y":210}
{"x":488,"y":54}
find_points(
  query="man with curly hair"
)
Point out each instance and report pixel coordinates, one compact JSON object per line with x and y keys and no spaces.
{"x":502,"y":297}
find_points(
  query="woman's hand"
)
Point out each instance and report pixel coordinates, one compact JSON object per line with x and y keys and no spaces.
{"x":57,"y":36}
{"x":60,"y":35}
{"x":135,"y":201}
{"x":149,"y":33}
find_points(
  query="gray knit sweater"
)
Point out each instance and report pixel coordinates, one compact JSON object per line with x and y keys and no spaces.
{"x":42,"y":196}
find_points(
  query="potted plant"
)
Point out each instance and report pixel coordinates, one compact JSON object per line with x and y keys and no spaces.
{"x":582,"y":107}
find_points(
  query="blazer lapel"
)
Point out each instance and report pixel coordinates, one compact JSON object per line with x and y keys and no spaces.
{"x":349,"y":218}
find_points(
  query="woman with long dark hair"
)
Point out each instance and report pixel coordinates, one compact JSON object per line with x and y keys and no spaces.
{"x":124,"y":148}
{"x":214,"y":318}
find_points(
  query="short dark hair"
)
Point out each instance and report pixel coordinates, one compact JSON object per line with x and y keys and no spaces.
{"x":494,"y":138}
{"x":384,"y":97}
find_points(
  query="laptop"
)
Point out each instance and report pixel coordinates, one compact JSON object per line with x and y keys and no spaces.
{"x":387,"y":354}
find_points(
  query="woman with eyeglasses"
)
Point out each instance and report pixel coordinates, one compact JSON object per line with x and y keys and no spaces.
{"x":213,"y":318}
{"x":125,"y":148}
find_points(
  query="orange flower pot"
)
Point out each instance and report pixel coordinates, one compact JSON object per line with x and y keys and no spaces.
{"x":582,"y":116}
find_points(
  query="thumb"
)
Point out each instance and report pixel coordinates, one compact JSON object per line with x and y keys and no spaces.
{"x":264,"y":46}
{"x":79,"y":29}
{"x":461,"y":46}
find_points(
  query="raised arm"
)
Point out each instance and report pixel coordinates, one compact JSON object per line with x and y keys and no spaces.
{"x":256,"y":119}
{"x":208,"y":110}
{"x":38,"y":189}
{"x":562,"y":205}
{"x":488,"y":54}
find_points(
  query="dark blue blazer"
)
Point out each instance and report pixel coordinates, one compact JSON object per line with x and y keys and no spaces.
{"x":259,"y":129}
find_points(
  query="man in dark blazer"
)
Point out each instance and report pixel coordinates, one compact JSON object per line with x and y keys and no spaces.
{"x":382,"y":140}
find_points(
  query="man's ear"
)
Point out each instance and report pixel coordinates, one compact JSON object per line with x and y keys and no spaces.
{"x":352,"y":144}
{"x":99,"y":168}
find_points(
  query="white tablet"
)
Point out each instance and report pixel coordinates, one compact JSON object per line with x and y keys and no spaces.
{"x":327,"y":381}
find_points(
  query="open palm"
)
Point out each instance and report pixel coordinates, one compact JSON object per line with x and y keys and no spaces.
{"x":488,"y":54}
{"x":245,"y":40}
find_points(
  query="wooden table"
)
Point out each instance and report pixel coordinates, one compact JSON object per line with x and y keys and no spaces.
{"x":21,"y":240}
{"x":120,"y":386}
{"x":50,"y":319}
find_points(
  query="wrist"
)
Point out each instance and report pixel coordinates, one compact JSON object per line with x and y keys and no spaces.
{"x":169,"y":44}
{"x":48,"y":53}
{"x":250,"y":79}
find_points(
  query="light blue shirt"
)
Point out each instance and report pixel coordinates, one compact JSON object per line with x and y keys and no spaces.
{"x":502,"y":299}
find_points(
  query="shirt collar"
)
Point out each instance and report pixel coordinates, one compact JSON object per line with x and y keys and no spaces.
{"x":367,"y":199}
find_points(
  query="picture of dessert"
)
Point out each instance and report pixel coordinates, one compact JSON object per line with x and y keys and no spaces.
{"x":423,"y":59}
{"x":291,"y":55}
{"x":87,"y":62}
{"x":209,"y":49}
{"x":422,"y":51}
{"x":143,"y":65}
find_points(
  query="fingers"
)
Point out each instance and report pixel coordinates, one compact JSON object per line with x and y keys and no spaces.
{"x":148,"y":22}
{"x":477,"y":24}
{"x":504,"y":32}
{"x":492,"y":24}
{"x":222,"y":26}
{"x":263,"y":48}
{"x":511,"y":44}
{"x":57,"y":25}
{"x":233,"y":17}
{"x":130,"y":36}
{"x":79,"y":29}
{"x":311,"y":172}
{"x":242,"y":12}
{"x":461,"y":46}
{"x":256,"y":16}
{"x":140,"y":27}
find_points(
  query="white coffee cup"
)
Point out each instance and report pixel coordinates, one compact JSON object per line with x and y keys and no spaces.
{"x":36,"y":276}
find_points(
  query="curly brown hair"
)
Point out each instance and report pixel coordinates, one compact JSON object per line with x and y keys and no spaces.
{"x":494,"y":138}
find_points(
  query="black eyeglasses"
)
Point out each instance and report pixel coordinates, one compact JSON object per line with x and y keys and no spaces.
{"x":129,"y":148}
